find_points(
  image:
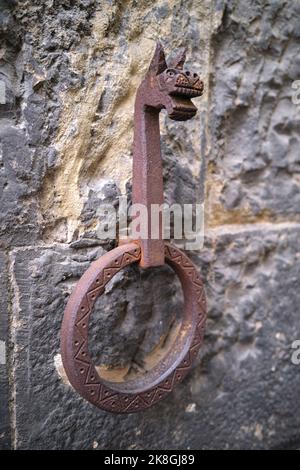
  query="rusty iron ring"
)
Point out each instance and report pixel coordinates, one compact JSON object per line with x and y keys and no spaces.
{"x":138,"y":394}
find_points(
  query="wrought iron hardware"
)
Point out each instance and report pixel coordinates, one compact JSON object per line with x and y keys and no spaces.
{"x":167,"y":87}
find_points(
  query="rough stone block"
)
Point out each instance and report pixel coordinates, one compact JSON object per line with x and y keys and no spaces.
{"x":4,"y":338}
{"x":242,"y":391}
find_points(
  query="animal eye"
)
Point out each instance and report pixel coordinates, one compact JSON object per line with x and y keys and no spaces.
{"x":170,"y":73}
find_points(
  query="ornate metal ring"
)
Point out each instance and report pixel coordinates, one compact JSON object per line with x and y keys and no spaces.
{"x":138,"y":394}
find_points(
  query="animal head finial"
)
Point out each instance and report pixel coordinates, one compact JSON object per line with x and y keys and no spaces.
{"x":172,"y":85}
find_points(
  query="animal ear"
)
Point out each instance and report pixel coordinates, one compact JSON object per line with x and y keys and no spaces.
{"x":179,"y":59}
{"x":158,"y":63}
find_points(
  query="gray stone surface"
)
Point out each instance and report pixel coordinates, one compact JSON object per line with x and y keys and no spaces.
{"x":254,"y":125}
{"x":4,"y":338}
{"x":243,"y":389}
{"x":69,"y":71}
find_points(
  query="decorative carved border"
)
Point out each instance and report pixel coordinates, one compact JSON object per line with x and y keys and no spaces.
{"x":76,"y":358}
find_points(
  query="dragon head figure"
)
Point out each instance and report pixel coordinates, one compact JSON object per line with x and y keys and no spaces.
{"x":171,"y":86}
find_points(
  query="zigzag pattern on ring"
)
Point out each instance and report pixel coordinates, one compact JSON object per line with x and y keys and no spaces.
{"x":97,"y":392}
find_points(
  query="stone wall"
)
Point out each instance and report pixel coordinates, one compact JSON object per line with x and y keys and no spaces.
{"x":69,"y":70}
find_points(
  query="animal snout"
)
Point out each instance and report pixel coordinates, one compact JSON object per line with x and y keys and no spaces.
{"x":193,"y":77}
